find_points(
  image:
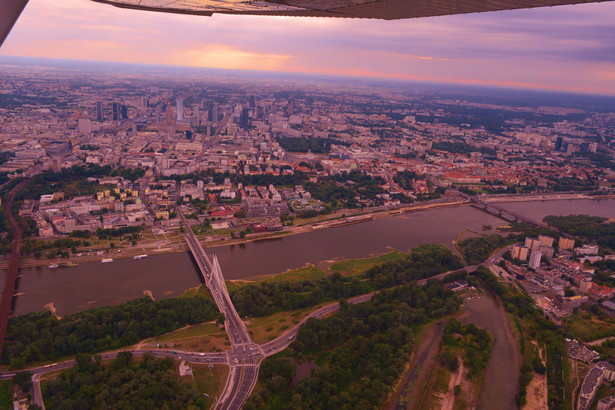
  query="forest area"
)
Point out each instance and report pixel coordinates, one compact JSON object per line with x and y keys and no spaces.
{"x":360,"y":352}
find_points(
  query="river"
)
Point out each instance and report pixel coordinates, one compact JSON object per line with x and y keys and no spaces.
{"x":501,"y":378}
{"x":94,"y":284}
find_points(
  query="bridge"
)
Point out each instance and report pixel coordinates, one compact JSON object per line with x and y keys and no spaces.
{"x":504,"y":213}
{"x":245,"y":355}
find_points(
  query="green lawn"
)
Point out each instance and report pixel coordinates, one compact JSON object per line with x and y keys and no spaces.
{"x":204,"y":329}
{"x":211,"y":381}
{"x":268,"y":328}
{"x":200,"y":290}
{"x":358,"y":266}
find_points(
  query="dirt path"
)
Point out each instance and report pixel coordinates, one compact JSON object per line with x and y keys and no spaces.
{"x":449,"y":399}
{"x":423,"y":361}
{"x":537,"y":393}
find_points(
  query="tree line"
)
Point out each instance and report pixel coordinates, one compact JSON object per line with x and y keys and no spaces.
{"x":42,"y":336}
{"x":267,"y":297}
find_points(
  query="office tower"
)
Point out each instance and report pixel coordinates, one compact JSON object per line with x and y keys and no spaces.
{"x":196,"y":115}
{"x":535,"y":259}
{"x":116,"y":111}
{"x":180,"y":108}
{"x":145,"y":102}
{"x":124,"y":110}
{"x":244,"y":118}
{"x":291,"y":106}
{"x":100,"y":114}
{"x":188,"y":134}
{"x":558,"y":143}
{"x":252,"y":101}
{"x":215,"y":115}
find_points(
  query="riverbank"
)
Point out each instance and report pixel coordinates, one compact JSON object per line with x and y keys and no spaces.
{"x":176,"y":242}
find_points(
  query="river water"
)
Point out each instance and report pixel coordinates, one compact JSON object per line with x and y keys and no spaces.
{"x":94,"y":284}
{"x":501,"y":377}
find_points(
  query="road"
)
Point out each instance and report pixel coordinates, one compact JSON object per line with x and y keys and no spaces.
{"x":11,"y":275}
{"x":245,"y":356}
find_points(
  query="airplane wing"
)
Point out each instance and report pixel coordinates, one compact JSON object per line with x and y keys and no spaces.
{"x":373,"y":9}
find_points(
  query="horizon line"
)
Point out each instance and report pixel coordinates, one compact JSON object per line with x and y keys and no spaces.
{"x":468,"y":83}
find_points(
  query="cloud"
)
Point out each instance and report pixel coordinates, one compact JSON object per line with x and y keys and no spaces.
{"x":224,"y":56}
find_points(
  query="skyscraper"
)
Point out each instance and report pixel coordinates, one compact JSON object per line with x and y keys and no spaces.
{"x":252,"y":100}
{"x":244,"y":118}
{"x":215,"y":114}
{"x":196,"y":115}
{"x":100,"y":114}
{"x":558,"y":143}
{"x":291,"y":106}
{"x":180,"y":108}
{"x":116,"y":111}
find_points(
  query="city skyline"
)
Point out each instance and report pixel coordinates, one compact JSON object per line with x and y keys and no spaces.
{"x":566,"y":48}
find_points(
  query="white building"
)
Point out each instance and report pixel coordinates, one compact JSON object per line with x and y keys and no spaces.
{"x":535,"y":259}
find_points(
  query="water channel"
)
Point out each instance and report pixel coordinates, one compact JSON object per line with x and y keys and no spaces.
{"x":94,"y":284}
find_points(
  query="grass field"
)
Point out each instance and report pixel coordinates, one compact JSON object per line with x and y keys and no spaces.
{"x":268,"y":328}
{"x":205,"y":337}
{"x":308,"y":272}
{"x":200,"y":290}
{"x":210,"y":382}
{"x":358,"y":266}
{"x":588,"y":327}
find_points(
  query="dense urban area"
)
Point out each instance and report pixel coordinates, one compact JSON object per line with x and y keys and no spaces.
{"x":100,"y":163}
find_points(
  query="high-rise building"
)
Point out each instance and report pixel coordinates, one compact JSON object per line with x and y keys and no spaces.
{"x":545,"y":240}
{"x":180,"y":108}
{"x":85,"y":126}
{"x":244,"y":118}
{"x":252,"y":101}
{"x":565,"y":243}
{"x":196,"y":115}
{"x":519,"y":252}
{"x":145,"y":102}
{"x":291,"y":106}
{"x":558,"y":143}
{"x":547,"y":251}
{"x":116,"y":111}
{"x":124,"y":111}
{"x":532,"y":243}
{"x":535,"y":260}
{"x":100,"y":114}
{"x":215,"y":115}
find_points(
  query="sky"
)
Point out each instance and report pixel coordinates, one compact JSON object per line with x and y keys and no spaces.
{"x":564,"y":48}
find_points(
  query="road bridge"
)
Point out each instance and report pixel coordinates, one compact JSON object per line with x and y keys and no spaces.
{"x":505,"y":214}
{"x":245,"y":355}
